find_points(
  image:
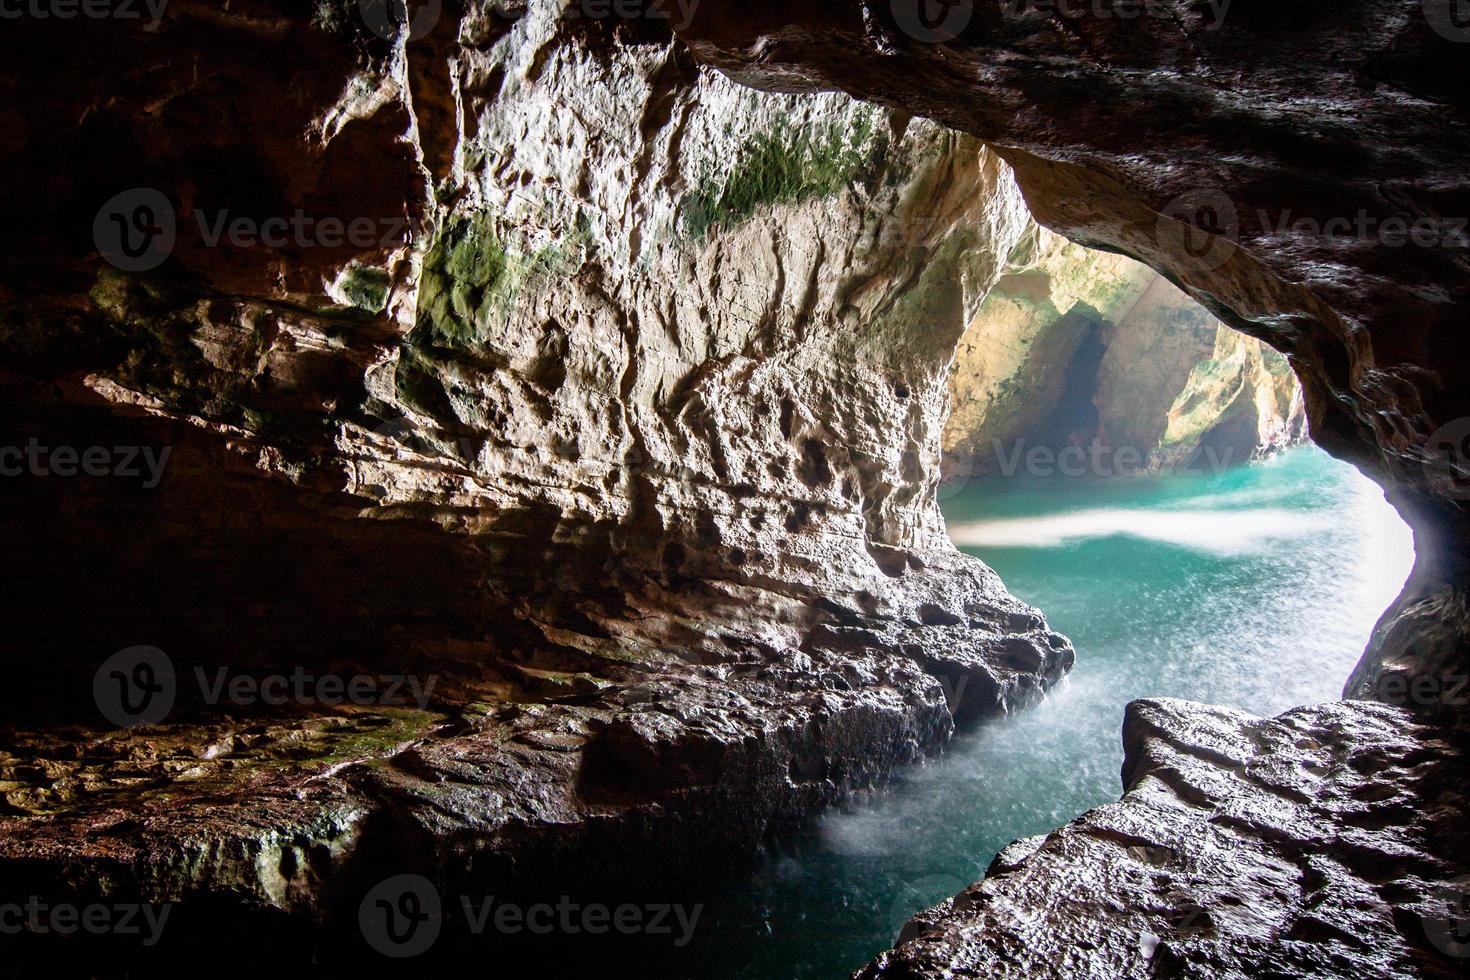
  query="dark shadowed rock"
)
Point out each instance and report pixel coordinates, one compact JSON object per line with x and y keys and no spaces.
{"x":619,"y":433}
{"x":1326,"y":842}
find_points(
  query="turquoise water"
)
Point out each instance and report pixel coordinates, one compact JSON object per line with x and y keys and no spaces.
{"x":1255,"y":588}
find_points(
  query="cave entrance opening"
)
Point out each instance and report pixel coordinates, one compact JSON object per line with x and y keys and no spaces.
{"x":1143,"y":473}
{"x":1160,"y":501}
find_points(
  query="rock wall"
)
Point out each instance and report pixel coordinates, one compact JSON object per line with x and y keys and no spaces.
{"x":610,"y":404}
{"x":1320,"y":843}
{"x":1086,"y":349}
{"x":1297,"y":171}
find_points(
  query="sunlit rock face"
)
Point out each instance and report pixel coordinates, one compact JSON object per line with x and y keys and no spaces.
{"x":1297,"y":170}
{"x":1092,"y":353}
{"x":622,"y":425}
{"x":1322,"y":843}
{"x":1277,"y":163}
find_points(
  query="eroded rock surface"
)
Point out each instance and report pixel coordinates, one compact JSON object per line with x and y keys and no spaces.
{"x":1076,"y":350}
{"x":1276,"y":162}
{"x":1273,"y":164}
{"x":622,"y":428}
{"x":1325,"y":842}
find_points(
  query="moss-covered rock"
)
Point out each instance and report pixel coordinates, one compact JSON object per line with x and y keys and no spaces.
{"x":785,"y":165}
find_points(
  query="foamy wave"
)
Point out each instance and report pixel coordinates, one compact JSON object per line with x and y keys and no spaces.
{"x":1229,"y":499}
{"x":1225,"y":532}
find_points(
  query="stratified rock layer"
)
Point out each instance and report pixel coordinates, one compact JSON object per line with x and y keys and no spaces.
{"x":1325,"y":842}
{"x":622,"y":429}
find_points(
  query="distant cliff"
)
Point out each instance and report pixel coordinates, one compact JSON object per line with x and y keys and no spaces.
{"x":1094,"y":351}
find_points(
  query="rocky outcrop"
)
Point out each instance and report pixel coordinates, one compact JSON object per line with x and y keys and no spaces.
{"x":1322,"y":843}
{"x":1177,"y":384}
{"x":509,"y":349}
{"x":615,"y":427}
{"x":1091,"y":350}
{"x":1299,"y":173}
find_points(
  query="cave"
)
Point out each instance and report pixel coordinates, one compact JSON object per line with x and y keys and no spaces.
{"x":474,"y":471}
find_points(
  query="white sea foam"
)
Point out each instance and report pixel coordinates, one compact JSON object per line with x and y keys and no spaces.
{"x":1225,"y":532}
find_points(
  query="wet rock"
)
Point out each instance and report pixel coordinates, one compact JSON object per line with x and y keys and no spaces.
{"x":626,"y":437}
{"x":1323,"y":842}
{"x":1210,"y":144}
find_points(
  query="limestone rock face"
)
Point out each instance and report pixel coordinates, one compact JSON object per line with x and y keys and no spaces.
{"x":1086,"y":349}
{"x":1321,"y":843}
{"x":1298,"y":172}
{"x":1276,"y":163}
{"x":619,"y":423}
{"x":1175,"y":383}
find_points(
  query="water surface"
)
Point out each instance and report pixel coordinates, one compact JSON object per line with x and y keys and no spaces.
{"x":1255,"y":588}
